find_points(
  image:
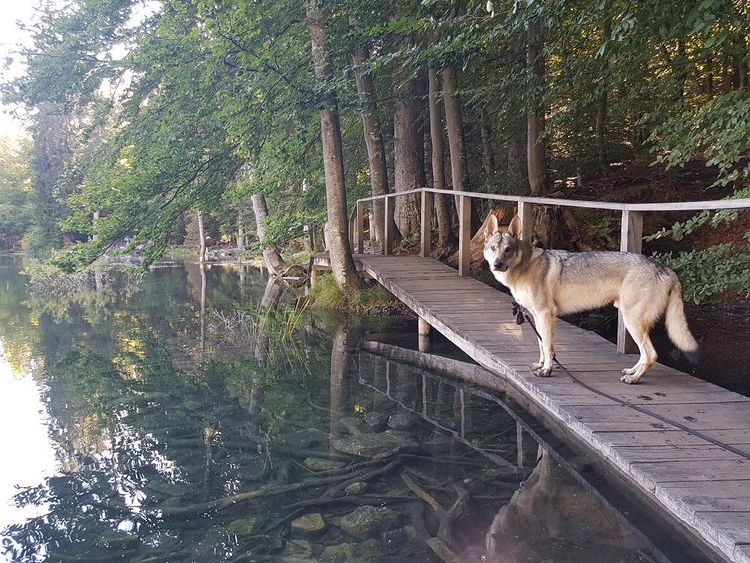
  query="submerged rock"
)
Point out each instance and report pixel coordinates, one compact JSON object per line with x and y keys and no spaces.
{"x":321,"y":464}
{"x":401,"y":420}
{"x":243,"y":526}
{"x":376,"y":421}
{"x":350,"y":552}
{"x":368,"y":521}
{"x":298,"y":551}
{"x":306,"y":438}
{"x":356,"y":488}
{"x":372,"y":445}
{"x":353,"y":425}
{"x":309,"y":524}
{"x":116,"y":539}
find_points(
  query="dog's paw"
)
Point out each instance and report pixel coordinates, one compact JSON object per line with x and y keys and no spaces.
{"x":536,"y":366}
{"x":630,"y":379}
{"x":542,"y":372}
{"x":627,"y":371}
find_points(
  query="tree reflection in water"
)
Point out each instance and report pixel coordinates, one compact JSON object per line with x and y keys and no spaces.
{"x":192,"y":426}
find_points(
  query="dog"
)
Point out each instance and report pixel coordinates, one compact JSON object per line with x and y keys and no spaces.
{"x":550,"y":283}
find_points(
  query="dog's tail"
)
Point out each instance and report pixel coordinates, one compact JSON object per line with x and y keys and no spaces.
{"x":677,"y":327}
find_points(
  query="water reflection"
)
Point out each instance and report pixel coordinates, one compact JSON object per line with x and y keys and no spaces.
{"x":183,"y":423}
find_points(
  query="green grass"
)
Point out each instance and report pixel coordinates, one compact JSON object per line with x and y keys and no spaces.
{"x":326,"y":294}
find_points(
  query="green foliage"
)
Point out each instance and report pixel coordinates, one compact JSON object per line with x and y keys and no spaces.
{"x":708,"y":275}
{"x":326,"y":294}
{"x":717,"y":130}
{"x":15,"y":191}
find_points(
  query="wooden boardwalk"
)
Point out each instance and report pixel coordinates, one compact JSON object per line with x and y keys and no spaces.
{"x":683,"y":443}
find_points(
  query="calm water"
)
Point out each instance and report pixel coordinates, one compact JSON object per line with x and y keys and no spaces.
{"x":152,"y":422}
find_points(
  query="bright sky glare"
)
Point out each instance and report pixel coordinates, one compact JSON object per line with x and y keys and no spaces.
{"x":10,"y":38}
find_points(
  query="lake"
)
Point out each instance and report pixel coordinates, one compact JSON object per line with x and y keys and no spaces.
{"x":168,"y":418}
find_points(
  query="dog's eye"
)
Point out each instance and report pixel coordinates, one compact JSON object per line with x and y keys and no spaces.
{"x":507,"y":249}
{"x":493,"y":248}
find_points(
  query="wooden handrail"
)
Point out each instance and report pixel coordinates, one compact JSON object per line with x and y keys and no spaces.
{"x":714,"y":204}
{"x":631,"y":232}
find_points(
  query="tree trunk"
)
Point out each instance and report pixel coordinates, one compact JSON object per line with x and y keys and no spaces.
{"x":342,"y":263}
{"x":455,"y":127}
{"x":408,"y":148}
{"x":536,"y":146}
{"x":442,"y":201}
{"x":271,"y":256}
{"x":375,"y":150}
{"x":488,"y":154}
{"x":201,"y":237}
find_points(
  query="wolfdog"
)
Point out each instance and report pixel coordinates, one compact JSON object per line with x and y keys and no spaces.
{"x":549,"y":283}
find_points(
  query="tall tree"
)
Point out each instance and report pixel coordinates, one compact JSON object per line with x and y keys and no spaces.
{"x":408,"y":149}
{"x":342,"y":263}
{"x":442,"y":201}
{"x":375,"y":148}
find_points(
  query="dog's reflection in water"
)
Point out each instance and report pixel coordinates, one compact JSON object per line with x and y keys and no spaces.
{"x":551,"y":518}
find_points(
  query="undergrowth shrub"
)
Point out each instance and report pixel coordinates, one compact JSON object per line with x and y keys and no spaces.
{"x":711,"y":274}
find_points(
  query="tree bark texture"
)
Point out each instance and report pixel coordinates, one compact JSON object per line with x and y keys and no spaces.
{"x":442,"y":201}
{"x":408,"y":148}
{"x":271,"y":256}
{"x":455,"y":128}
{"x":536,"y":145}
{"x":375,"y":149}
{"x":342,"y":263}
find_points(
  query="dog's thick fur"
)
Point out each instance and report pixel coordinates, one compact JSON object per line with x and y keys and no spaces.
{"x":550,"y":283}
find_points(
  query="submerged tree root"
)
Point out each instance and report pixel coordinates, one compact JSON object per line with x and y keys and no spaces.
{"x":440,"y":544}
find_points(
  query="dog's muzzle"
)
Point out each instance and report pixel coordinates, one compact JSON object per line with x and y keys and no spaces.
{"x":499,"y":267}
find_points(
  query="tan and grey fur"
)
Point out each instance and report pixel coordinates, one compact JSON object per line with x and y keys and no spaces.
{"x":550,"y":283}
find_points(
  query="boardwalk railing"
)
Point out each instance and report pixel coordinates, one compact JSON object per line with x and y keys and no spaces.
{"x":631,"y":229}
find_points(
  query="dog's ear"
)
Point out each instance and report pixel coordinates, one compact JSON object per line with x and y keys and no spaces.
{"x":514,"y":229}
{"x":493,"y":226}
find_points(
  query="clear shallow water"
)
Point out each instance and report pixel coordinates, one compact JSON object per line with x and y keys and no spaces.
{"x":153,"y":423}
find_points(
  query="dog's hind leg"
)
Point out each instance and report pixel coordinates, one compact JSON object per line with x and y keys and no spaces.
{"x":639,"y":329}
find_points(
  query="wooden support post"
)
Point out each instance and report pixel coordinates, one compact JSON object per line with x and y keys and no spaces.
{"x":359,"y":222}
{"x":631,"y":240}
{"x":525,"y":215}
{"x":428,"y":202}
{"x":464,"y":235}
{"x":388,"y":232}
{"x":519,"y":445}
{"x":423,"y":327}
{"x":351,"y":233}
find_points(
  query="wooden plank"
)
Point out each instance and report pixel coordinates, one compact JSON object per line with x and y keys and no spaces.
{"x":525,"y":214}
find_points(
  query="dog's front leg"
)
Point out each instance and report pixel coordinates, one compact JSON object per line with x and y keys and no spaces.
{"x":545,"y":325}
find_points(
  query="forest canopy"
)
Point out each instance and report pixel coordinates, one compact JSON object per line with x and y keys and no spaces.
{"x":143,"y":110}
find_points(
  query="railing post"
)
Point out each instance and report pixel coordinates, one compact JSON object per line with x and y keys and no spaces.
{"x":631,"y":240}
{"x":359,"y":221}
{"x":428,"y":201}
{"x":464,"y":235}
{"x":351,"y":232}
{"x":387,"y":232}
{"x":525,"y":215}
